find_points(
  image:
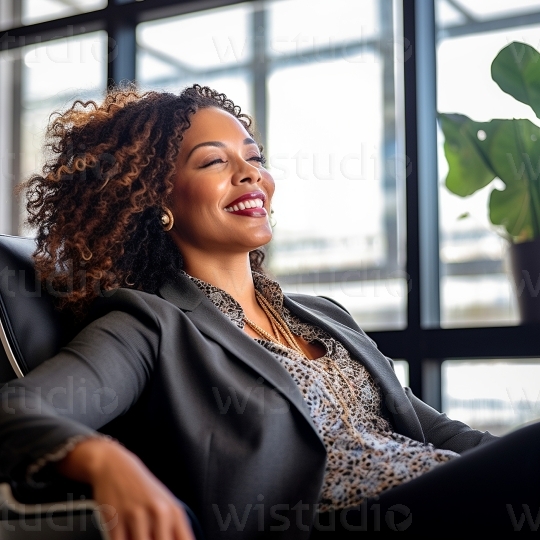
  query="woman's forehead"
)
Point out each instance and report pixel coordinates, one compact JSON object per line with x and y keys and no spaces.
{"x":213,"y":124}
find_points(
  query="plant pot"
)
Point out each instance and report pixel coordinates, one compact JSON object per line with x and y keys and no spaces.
{"x":524,"y":259}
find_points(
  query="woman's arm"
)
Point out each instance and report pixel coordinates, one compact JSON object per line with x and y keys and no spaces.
{"x":98,"y":376}
{"x":48,"y":421}
{"x":445,"y":433}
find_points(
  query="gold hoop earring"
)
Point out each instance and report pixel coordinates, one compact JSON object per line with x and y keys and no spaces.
{"x":167,"y":219}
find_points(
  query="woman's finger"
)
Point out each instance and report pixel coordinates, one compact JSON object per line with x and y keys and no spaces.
{"x":117,"y":532}
{"x":182,"y":526}
{"x":139,"y":525}
{"x":163,"y":523}
{"x":109,"y":522}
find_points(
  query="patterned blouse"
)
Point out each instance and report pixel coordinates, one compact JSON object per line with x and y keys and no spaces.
{"x":364,"y":455}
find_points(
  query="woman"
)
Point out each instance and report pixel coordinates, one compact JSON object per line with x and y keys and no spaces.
{"x":265,"y":413}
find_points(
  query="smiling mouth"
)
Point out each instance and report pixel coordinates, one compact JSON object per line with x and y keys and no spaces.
{"x":244,"y":205}
{"x":249,"y":204}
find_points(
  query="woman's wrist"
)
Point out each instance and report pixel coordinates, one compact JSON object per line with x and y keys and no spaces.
{"x":88,"y":458}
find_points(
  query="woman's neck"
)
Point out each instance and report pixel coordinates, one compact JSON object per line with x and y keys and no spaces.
{"x":232,"y":275}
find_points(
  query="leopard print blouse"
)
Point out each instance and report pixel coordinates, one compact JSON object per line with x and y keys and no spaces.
{"x":364,"y":455}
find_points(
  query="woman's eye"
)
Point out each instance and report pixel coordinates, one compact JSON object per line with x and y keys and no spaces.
{"x":258,"y":159}
{"x":214,"y":161}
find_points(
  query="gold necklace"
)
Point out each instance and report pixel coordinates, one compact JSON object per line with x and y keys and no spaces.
{"x":279,"y":326}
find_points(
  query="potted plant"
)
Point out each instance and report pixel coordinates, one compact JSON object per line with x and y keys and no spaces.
{"x":508,"y":149}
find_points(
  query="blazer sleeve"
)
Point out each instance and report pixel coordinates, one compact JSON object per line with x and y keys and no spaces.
{"x":445,"y":433}
{"x":441,"y":431}
{"x":98,"y":376}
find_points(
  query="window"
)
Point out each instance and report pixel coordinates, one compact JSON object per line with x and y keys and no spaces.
{"x":337,"y":162}
{"x":212,"y":48}
{"x":344,"y":94}
{"x":475,"y":288}
{"x":508,"y":397}
{"x":27,"y":12}
{"x":48,"y":77}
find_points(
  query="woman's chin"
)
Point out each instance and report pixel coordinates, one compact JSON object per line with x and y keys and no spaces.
{"x":263,"y":241}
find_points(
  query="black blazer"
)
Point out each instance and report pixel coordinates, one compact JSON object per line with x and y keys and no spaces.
{"x":210,"y":411}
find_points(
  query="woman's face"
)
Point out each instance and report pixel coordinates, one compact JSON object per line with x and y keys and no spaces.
{"x":222,"y":193}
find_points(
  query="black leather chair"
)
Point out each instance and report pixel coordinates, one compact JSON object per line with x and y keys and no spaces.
{"x":31,"y":331}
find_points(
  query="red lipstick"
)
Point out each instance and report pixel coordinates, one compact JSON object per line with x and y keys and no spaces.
{"x":257,"y":211}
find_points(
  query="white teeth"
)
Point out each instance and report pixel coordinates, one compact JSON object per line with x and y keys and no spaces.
{"x":248,"y":203}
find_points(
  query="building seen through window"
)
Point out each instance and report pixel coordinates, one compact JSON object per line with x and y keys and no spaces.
{"x":326,"y":84}
{"x":338,"y":163}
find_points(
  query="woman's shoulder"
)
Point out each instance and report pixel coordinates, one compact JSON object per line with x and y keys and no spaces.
{"x":128,"y":297}
{"x":142,"y":305}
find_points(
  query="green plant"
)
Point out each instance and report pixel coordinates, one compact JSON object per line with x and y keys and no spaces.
{"x":508,"y":149}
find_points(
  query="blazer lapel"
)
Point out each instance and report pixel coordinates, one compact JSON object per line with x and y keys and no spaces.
{"x":210,"y":321}
{"x":363,"y":350}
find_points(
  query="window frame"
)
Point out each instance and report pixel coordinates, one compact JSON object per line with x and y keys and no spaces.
{"x":422,"y":343}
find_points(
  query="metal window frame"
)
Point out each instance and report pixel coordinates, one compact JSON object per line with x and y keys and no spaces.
{"x":422,"y":343}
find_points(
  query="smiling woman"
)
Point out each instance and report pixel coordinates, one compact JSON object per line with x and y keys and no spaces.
{"x":219,"y":175}
{"x":262,"y":412}
{"x":115,"y":167}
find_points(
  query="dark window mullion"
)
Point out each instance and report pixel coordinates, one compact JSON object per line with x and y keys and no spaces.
{"x":386,"y":53}
{"x":259,"y":72}
{"x":121,"y":50}
{"x":428,"y":196}
{"x":16,"y":120}
{"x":411,"y":349}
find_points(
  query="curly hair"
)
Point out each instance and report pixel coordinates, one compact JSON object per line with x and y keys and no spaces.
{"x":98,"y":202}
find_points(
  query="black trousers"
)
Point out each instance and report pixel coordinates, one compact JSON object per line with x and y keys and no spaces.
{"x":493,"y":488}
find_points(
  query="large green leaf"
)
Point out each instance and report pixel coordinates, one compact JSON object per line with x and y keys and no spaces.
{"x":510,"y":208}
{"x":514,"y":151}
{"x":469,"y":170}
{"x":516,"y":69}
{"x":478,"y":152}
{"x":515,"y":157}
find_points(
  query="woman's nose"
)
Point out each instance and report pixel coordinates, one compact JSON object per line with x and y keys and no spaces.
{"x":247,"y":173}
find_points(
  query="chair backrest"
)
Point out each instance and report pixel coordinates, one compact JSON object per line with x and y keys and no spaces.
{"x":31,"y":329}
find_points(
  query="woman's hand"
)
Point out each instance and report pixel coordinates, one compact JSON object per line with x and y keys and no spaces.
{"x":133,"y":503}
